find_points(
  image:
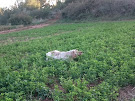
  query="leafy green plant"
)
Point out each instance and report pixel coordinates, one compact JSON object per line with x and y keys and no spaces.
{"x":107,"y":63}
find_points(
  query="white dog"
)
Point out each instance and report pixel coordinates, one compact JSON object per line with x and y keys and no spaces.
{"x":63,"y":55}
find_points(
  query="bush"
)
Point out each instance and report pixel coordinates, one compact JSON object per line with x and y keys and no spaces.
{"x":70,"y":1}
{"x":42,"y":13}
{"x":98,"y":8}
{"x":20,"y":19}
{"x":6,"y":27}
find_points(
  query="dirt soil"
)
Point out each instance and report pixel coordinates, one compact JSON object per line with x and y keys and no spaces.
{"x":49,"y":22}
{"x":127,"y":93}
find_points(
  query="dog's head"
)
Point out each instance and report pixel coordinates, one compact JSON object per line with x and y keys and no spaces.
{"x":76,"y":53}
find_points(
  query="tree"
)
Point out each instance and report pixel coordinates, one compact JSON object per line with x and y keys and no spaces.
{"x":5,"y":16}
{"x":42,"y":3}
{"x":1,"y":11}
{"x":32,"y":3}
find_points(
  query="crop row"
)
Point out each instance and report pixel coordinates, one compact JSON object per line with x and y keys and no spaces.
{"x":106,"y":65}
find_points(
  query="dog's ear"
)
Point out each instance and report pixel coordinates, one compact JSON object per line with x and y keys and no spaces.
{"x":73,"y":54}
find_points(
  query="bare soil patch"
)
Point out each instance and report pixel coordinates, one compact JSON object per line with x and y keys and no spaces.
{"x":94,"y":83}
{"x":127,"y":93}
{"x":49,"y":22}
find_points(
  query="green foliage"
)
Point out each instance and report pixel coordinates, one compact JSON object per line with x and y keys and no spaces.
{"x":106,"y":65}
{"x":20,"y":19}
{"x":23,"y":12}
{"x":5,"y":16}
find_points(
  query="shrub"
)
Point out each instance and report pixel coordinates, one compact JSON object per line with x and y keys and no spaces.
{"x":5,"y":27}
{"x":70,"y":1}
{"x":98,"y":8}
{"x":20,"y":19}
{"x":5,"y":16}
{"x":42,"y":13}
{"x":73,"y":10}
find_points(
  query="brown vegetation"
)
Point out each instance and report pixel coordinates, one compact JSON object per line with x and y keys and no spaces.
{"x":99,"y":8}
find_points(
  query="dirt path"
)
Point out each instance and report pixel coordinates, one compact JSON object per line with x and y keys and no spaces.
{"x":49,"y":22}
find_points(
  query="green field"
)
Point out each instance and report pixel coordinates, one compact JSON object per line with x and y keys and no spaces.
{"x":108,"y":62}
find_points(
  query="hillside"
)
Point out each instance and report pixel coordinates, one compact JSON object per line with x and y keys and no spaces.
{"x":102,"y":73}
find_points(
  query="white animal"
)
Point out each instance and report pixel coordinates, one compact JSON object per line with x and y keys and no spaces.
{"x":63,"y":55}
